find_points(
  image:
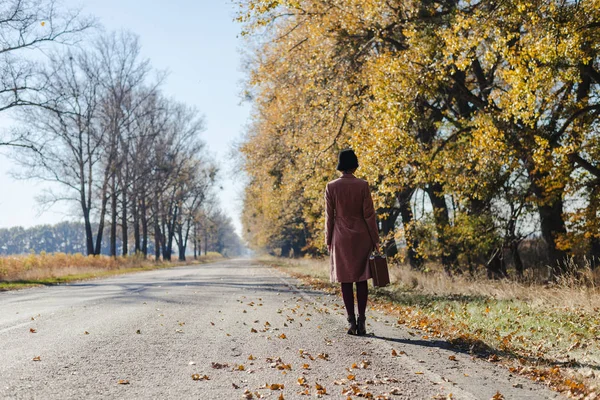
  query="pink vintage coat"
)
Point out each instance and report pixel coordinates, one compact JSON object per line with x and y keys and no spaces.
{"x":350,"y":228}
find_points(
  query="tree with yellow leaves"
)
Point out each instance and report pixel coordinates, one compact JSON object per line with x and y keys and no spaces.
{"x":478,"y":106}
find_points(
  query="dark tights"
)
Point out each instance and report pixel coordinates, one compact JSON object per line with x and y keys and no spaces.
{"x":362,"y":292}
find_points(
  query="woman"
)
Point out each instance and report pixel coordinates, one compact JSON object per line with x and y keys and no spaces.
{"x":351,"y":234}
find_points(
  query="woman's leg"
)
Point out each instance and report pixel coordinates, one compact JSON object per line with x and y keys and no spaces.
{"x":362,"y":293}
{"x":348,"y":296}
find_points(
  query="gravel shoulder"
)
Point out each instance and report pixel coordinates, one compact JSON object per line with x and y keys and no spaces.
{"x":239,"y":328}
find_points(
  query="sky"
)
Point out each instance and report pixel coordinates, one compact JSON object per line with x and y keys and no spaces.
{"x":197,"y":43}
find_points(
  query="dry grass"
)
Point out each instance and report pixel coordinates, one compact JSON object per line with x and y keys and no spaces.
{"x":50,"y":268}
{"x":547,"y":332}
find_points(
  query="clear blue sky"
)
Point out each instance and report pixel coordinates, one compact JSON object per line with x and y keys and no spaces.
{"x":196,"y":41}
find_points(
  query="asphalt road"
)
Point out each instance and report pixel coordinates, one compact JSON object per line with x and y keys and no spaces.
{"x":239,"y":328}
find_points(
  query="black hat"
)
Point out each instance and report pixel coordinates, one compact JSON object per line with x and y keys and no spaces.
{"x":347,"y":160}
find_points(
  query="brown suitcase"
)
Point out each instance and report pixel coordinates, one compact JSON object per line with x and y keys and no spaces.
{"x":379,"y":270}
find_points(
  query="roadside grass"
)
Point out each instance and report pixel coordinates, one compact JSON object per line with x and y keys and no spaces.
{"x":548,"y":333}
{"x":24,"y":271}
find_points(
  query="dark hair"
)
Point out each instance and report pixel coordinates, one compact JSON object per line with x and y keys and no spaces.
{"x":347,"y":160}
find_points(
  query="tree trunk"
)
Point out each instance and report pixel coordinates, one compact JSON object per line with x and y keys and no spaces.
{"x":412,"y":243}
{"x":89,"y":239}
{"x":496,"y":267}
{"x":113,"y":218}
{"x":181,"y":243}
{"x":124,"y":232}
{"x":552,"y":225}
{"x":285,"y":249}
{"x":144,"y":226}
{"x":135,"y":210}
{"x":157,"y":241}
{"x":514,"y":251}
{"x":205,"y":241}
{"x":388,"y":226}
{"x":195,"y":241}
{"x":442,"y":224}
{"x":164,"y":235}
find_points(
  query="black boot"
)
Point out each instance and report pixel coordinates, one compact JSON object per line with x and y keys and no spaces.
{"x":361,"y":330}
{"x":352,"y":325}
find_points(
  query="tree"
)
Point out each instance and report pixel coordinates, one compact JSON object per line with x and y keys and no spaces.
{"x":482,"y":106}
{"x":31,"y":25}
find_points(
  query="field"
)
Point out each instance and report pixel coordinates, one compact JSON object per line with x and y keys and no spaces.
{"x":549,"y":333}
{"x":23,"y":271}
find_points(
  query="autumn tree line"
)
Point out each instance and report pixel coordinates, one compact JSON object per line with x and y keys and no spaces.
{"x":92,"y":119}
{"x":475,"y":122}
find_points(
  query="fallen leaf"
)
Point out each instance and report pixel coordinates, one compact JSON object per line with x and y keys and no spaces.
{"x":123,"y":382}
{"x":498,"y":396}
{"x":452,"y":358}
{"x":419,"y":373}
{"x":351,"y":377}
{"x":305,"y":366}
{"x":253,"y":330}
{"x":282,"y":336}
{"x":37,"y":358}
{"x":240,"y":368}
{"x":198,"y":377}
{"x":394,"y":353}
{"x":138,"y":332}
{"x":219,"y":365}
{"x":280,"y":397}
{"x":274,"y":386}
{"x":235,"y":386}
{"x":301,"y":381}
{"x":251,"y":357}
{"x":86,"y":333}
{"x":320,"y":389}
{"x":31,"y":330}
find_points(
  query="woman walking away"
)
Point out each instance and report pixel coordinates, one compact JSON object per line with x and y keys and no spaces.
{"x":351,"y":233}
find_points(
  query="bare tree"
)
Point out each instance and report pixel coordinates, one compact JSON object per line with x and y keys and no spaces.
{"x":27,"y":25}
{"x":67,"y":135}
